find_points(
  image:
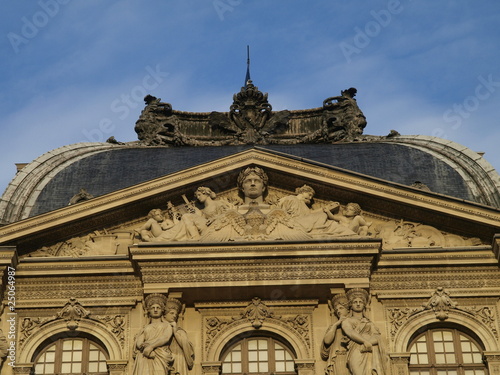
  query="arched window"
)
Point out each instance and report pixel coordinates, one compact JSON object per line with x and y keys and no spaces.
{"x":446,"y":351}
{"x":72,"y":356}
{"x":258,"y":355}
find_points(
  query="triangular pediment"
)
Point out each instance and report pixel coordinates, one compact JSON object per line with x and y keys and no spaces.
{"x":401,"y":216}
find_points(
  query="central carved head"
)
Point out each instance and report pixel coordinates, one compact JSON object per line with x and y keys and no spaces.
{"x":252,"y":182}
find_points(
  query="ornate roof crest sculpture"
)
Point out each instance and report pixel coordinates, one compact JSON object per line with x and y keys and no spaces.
{"x":251,"y":120}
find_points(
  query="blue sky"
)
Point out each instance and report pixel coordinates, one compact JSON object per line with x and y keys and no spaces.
{"x":74,"y":71}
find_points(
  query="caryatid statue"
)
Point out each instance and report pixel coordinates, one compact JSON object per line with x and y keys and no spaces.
{"x":365,"y":349}
{"x":333,"y":350}
{"x":162,"y":347}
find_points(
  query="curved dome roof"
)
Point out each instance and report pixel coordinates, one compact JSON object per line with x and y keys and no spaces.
{"x":49,"y":182}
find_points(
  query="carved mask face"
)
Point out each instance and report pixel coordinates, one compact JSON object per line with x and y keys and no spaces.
{"x":306,"y":197}
{"x":200,"y":196}
{"x":357,"y":304}
{"x":341,"y":310}
{"x":253,"y":186}
{"x":158,"y":216}
{"x":350,"y":211}
{"x":171,"y":315}
{"x":155,"y":311}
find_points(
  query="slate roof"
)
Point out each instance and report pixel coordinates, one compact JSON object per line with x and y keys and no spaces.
{"x":115,"y":169}
{"x":50,"y":181}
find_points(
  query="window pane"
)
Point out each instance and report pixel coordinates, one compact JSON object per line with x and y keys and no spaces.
{"x":447,"y":335}
{"x":237,"y":367}
{"x":478,"y":358}
{"x":77,"y":367}
{"x":450,"y":358}
{"x":290,"y":366}
{"x":263,"y":367}
{"x":440,"y":359}
{"x":39,"y":369}
{"x":439,"y":347}
{"x":421,"y":347}
{"x":467,"y":357}
{"x":252,"y":356}
{"x":263,"y":344}
{"x":68,"y":345}
{"x":93,"y":356}
{"x":226,"y":368}
{"x":50,"y":357}
{"x":423,"y":359}
{"x":449,"y":347}
{"x":93,"y":367}
{"x":280,"y":366}
{"x":252,"y":345}
{"x":66,"y":368}
{"x":49,"y":369}
{"x":103,"y":367}
{"x":66,"y":356}
{"x":236,"y":356}
{"x":263,"y":356}
{"x":252,"y":367}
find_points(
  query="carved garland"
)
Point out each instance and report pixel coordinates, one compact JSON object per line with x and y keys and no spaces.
{"x":257,"y":314}
{"x":73,"y":312}
{"x":441,"y":303}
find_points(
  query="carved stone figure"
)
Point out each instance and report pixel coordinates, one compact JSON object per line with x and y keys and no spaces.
{"x":332,"y":349}
{"x":351,"y":218}
{"x":159,"y":228}
{"x":251,"y":120}
{"x":365,"y":350}
{"x":162,"y":347}
{"x":82,"y":196}
{"x":313,"y":221}
{"x":252,"y":217}
{"x":215,"y":221}
{"x":343,"y":119}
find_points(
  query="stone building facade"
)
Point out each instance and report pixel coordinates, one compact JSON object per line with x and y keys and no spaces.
{"x":256,"y":242}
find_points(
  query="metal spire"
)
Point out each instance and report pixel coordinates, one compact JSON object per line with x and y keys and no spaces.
{"x":247,"y":77}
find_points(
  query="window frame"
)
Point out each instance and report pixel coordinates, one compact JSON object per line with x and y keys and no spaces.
{"x":432,"y":367}
{"x":58,"y":344}
{"x":271,"y":351}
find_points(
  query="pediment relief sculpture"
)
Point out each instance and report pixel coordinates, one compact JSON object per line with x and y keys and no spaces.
{"x":254,"y":211}
{"x":253,"y":218}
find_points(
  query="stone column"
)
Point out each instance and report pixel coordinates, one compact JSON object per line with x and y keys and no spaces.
{"x":211,"y":368}
{"x":117,"y":367}
{"x":399,"y":363}
{"x":304,"y":366}
{"x":493,"y":362}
